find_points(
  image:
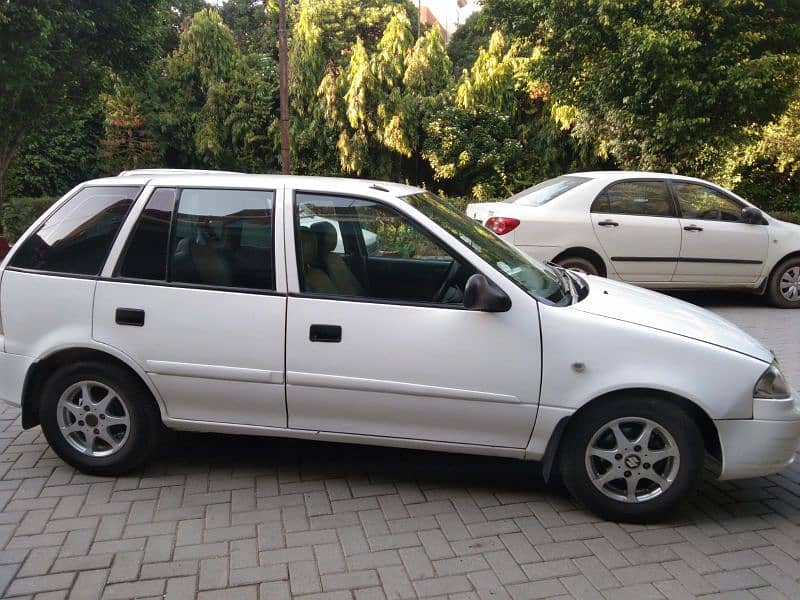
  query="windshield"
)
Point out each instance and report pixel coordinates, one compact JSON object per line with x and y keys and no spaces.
{"x":543,"y":192}
{"x":536,"y":278}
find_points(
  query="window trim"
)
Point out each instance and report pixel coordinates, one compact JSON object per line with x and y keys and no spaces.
{"x":368,"y":299}
{"x":673,"y":200}
{"x":115,"y":276}
{"x":53,"y":210}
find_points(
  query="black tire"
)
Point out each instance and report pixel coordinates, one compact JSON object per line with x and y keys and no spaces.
{"x":774,"y":295}
{"x":578,"y":264}
{"x":575,"y":468}
{"x":144,"y":426}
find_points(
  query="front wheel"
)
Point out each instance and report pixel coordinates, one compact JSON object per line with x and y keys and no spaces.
{"x":632,"y":458}
{"x":783,"y":288}
{"x":99,"y":418}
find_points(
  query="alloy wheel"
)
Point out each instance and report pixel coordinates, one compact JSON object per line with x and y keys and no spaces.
{"x":93,"y":418}
{"x":632,"y":459}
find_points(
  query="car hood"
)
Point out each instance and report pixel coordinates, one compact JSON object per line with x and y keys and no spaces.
{"x":643,"y":307}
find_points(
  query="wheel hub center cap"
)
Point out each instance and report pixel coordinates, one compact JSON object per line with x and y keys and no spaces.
{"x":91,"y":420}
{"x":632,"y":461}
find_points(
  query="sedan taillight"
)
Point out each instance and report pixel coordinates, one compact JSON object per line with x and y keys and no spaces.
{"x":502,"y":225}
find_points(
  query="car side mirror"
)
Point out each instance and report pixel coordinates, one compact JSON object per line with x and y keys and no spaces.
{"x":482,"y":294}
{"x":751,"y":215}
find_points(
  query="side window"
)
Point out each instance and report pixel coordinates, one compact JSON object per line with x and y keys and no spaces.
{"x":146,"y":254}
{"x":223,"y":238}
{"x":700,"y":202}
{"x":360,"y":248}
{"x":77,"y":237}
{"x":643,"y":198}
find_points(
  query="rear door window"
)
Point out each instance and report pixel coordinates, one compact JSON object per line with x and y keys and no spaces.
{"x":642,"y":198}
{"x":77,"y":237}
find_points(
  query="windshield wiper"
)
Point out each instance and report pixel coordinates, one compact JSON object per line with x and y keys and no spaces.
{"x":566,"y":282}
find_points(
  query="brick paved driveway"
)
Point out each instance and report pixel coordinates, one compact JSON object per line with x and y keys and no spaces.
{"x":258,"y":518}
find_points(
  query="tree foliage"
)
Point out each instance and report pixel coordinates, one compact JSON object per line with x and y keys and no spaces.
{"x":660,"y":84}
{"x":54,"y":55}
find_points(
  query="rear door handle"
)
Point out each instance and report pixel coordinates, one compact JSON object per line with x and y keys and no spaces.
{"x":325,"y":333}
{"x":692,"y":228}
{"x":130,"y":316}
{"x":608,"y":223}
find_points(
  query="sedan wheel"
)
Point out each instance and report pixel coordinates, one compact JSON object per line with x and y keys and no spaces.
{"x":783,"y":288}
{"x":631,"y":457}
{"x":578,"y":264}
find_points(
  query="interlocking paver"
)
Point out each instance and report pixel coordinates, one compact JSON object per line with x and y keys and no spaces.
{"x":218,"y":517}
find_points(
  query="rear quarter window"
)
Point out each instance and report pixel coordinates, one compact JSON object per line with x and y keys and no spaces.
{"x":77,"y":237}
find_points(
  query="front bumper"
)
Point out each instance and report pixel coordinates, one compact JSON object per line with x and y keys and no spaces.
{"x":764,"y":444}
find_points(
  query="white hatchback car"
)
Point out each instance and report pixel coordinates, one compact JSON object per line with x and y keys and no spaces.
{"x":652,"y":229}
{"x":372,"y":313}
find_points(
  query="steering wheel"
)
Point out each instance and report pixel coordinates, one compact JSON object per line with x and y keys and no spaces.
{"x":449,"y":277}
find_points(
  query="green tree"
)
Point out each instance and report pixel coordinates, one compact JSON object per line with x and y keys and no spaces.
{"x":213,"y":106}
{"x":128,"y":143}
{"x":467,"y":40}
{"x":663,"y":85}
{"x":54,"y":55}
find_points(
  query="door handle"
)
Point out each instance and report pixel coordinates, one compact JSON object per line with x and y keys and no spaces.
{"x":130,"y":316}
{"x":325,"y":333}
{"x":692,"y":228}
{"x":608,"y":223}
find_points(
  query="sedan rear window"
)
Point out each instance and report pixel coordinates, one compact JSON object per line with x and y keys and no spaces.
{"x":544,"y":192}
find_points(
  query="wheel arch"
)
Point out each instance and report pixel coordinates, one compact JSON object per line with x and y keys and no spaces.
{"x":42,"y":368}
{"x":705,"y":423}
{"x":592,"y":256}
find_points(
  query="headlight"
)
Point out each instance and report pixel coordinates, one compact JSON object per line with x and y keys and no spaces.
{"x":772,"y":384}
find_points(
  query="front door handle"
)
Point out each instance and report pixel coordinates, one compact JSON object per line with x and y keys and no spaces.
{"x":692,"y":228}
{"x":608,"y":223}
{"x":130,"y":316}
{"x":325,"y":333}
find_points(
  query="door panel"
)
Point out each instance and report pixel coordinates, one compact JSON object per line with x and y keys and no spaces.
{"x":722,"y":252}
{"x":414,"y":372}
{"x":718,"y":247}
{"x":640,"y":248}
{"x":212,"y":355}
{"x":635,"y":223}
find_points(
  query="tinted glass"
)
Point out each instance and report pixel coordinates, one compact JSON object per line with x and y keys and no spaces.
{"x":77,"y":237}
{"x":537,"y":279}
{"x":355,"y":247}
{"x":146,"y":256}
{"x":644,"y":198}
{"x":223,"y":238}
{"x":546,"y":191}
{"x":700,"y":202}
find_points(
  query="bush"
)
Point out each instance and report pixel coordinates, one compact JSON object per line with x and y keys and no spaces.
{"x":19,"y":213}
{"x":788,"y":216}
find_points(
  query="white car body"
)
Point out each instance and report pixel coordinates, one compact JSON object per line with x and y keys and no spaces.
{"x":651,"y":251}
{"x":404,"y":374}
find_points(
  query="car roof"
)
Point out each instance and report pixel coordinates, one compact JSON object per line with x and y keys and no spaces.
{"x":618,"y":175}
{"x":198,"y":178}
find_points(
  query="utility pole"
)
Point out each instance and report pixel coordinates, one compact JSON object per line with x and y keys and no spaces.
{"x":283,"y":67}
{"x":419,"y":19}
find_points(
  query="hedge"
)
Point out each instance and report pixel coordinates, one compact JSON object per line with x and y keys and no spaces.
{"x":19,"y":213}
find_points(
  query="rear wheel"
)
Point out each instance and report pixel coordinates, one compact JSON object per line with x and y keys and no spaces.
{"x":783,"y":289}
{"x":632,"y":458}
{"x":576,"y":263}
{"x":99,"y":418}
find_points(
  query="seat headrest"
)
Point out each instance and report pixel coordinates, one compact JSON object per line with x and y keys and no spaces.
{"x":308,"y":245}
{"x":326,"y":232}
